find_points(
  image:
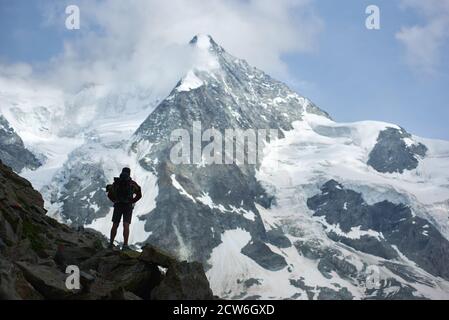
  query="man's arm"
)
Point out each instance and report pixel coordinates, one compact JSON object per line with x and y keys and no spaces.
{"x":137,"y":193}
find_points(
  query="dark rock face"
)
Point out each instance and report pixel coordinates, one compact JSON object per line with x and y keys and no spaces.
{"x":392,"y":154}
{"x":324,"y":292}
{"x":47,"y":280}
{"x":262,"y":254}
{"x":276,"y":237}
{"x":179,"y":224}
{"x":400,"y":292}
{"x":36,"y":250}
{"x":380,"y":248}
{"x":330,"y":260}
{"x":405,"y":273}
{"x":13,"y":285}
{"x":84,"y":195}
{"x":415,"y":237}
{"x":250,"y":282}
{"x":183,"y":281}
{"x":12,"y":150}
{"x":154,"y":255}
{"x":331,"y":294}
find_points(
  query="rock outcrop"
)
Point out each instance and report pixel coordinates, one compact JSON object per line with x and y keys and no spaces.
{"x":13,"y":151}
{"x":392,"y":153}
{"x":381,"y":229}
{"x":36,"y":250}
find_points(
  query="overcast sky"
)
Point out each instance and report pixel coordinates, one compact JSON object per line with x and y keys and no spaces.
{"x":321,"y":48}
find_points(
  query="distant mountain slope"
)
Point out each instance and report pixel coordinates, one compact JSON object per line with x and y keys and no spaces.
{"x":12,"y":149}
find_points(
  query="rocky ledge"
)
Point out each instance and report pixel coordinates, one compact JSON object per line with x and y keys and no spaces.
{"x":35,"y":251}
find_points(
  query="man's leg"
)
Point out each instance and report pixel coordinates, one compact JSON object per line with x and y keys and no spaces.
{"x":125,"y":233}
{"x":113,"y":232}
{"x":127,"y":215}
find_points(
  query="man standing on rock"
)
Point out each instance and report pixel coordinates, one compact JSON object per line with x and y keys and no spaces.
{"x":124,"y":193}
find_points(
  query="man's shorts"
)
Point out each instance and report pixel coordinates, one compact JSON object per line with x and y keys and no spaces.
{"x":122,"y":209}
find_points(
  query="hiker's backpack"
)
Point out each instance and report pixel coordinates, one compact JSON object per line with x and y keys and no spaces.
{"x":123,"y":191}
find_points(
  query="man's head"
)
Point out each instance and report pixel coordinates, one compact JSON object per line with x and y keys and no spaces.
{"x":126,"y":173}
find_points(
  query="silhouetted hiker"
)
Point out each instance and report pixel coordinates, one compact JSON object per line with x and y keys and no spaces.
{"x":124,"y":192}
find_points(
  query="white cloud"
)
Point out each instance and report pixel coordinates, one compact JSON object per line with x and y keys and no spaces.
{"x":144,"y":41}
{"x":424,"y":43}
{"x":16,"y":70}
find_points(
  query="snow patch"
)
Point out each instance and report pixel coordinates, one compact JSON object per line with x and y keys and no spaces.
{"x":190,"y":82}
{"x":178,"y":186}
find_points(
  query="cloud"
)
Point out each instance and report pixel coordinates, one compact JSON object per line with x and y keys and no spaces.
{"x":145,"y":41}
{"x":16,"y":70}
{"x":424,"y":43}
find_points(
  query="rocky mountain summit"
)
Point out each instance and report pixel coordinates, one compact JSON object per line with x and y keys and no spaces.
{"x":35,"y":251}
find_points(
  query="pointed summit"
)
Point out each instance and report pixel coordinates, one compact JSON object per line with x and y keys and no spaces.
{"x":206,"y":42}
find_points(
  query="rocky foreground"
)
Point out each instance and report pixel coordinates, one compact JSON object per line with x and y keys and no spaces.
{"x":35,"y":251}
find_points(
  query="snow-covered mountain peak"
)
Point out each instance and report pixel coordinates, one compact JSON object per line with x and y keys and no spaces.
{"x":206,"y":42}
{"x":206,"y":54}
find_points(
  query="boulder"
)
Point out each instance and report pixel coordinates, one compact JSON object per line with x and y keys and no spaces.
{"x":184,"y":281}
{"x":50,"y":282}
{"x":157,"y":256}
